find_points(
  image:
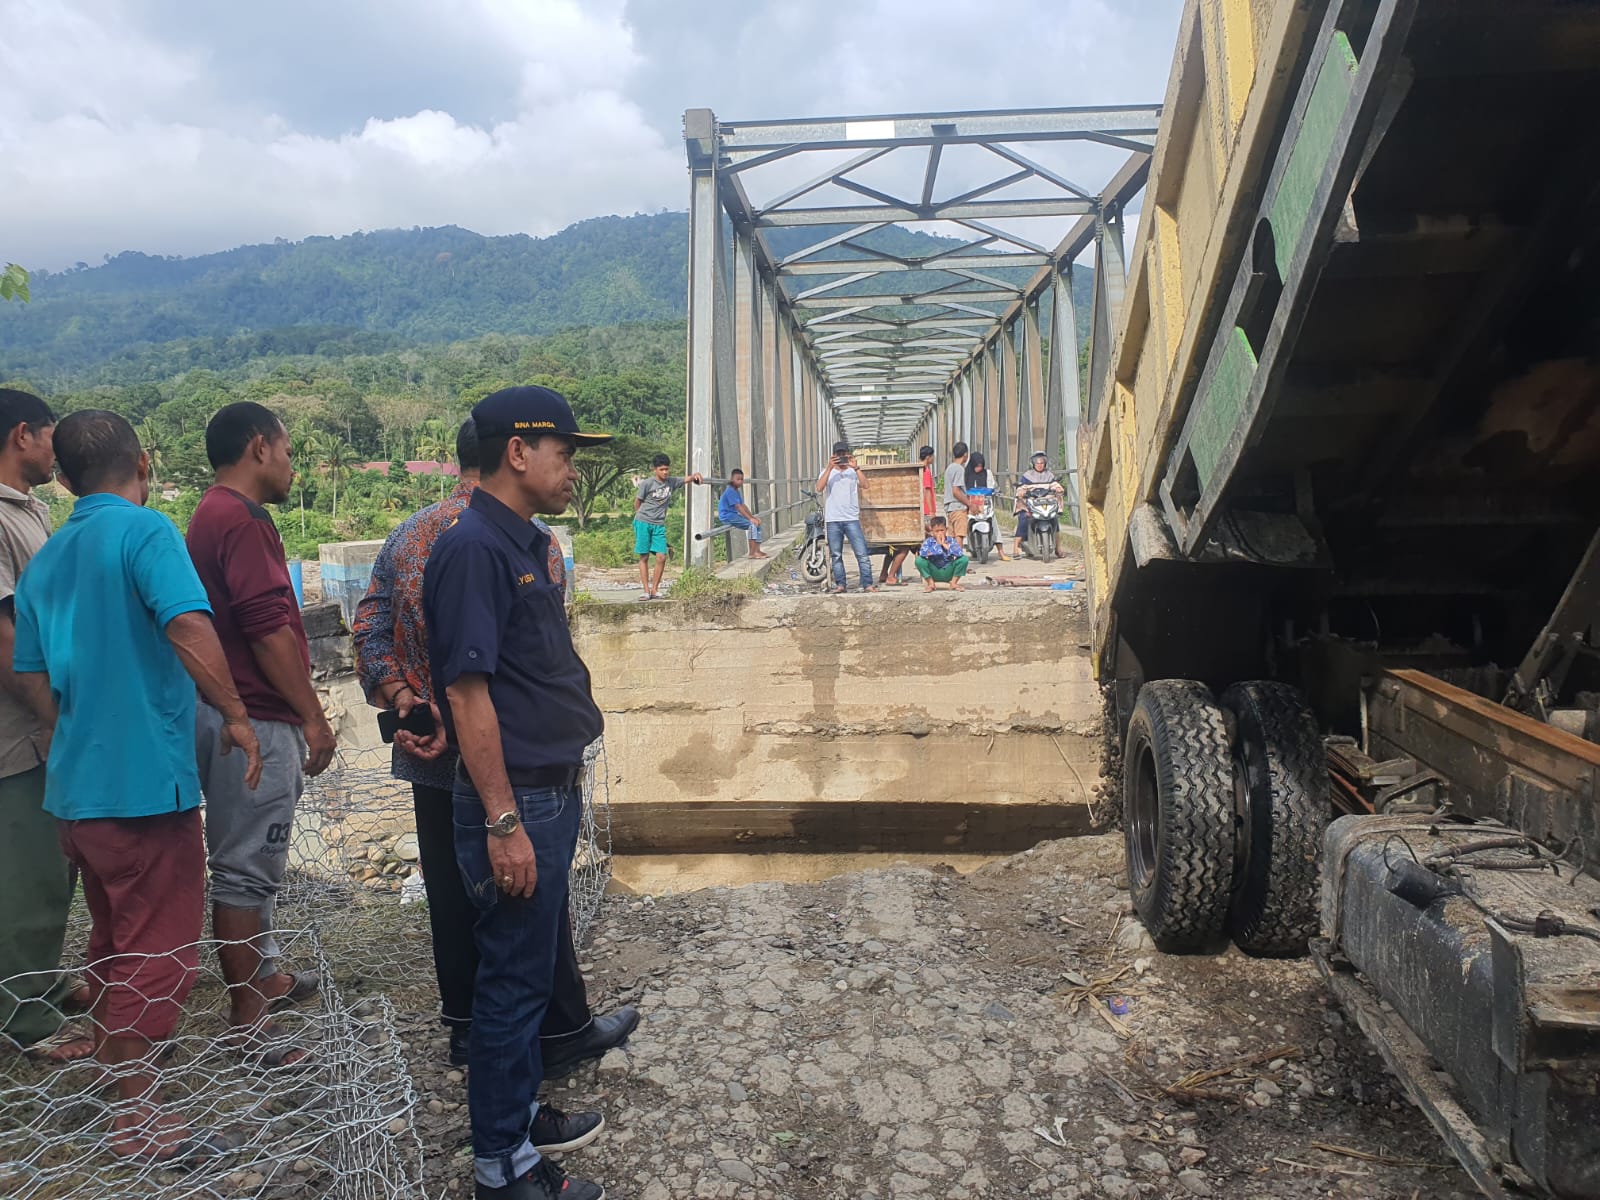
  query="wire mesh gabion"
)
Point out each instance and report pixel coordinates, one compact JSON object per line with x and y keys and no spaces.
{"x":353,"y":867}
{"x":591,"y":865}
{"x":340,"y":1126}
{"x":336,"y":1124}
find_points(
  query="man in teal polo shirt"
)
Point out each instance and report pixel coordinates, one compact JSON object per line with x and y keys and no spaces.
{"x":113,"y":635}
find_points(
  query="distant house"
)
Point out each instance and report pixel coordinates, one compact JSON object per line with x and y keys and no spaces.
{"x":417,"y":467}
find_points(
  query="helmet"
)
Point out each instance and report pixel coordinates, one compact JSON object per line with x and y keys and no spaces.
{"x":1037,"y":454}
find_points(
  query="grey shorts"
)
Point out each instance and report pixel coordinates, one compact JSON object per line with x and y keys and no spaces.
{"x":248,"y":833}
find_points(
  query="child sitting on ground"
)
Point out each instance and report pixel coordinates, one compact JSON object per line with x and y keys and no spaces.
{"x":941,"y":560}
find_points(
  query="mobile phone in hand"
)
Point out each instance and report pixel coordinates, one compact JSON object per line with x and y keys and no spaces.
{"x":418,"y":721}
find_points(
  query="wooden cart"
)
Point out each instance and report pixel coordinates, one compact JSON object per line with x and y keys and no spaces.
{"x":891,"y":505}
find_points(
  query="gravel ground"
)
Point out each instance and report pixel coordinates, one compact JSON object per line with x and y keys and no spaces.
{"x":916,"y":1033}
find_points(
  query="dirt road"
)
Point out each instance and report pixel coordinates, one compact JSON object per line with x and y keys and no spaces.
{"x":916,"y":1033}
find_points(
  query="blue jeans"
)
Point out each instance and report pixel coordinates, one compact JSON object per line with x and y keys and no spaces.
{"x":837,"y":532}
{"x":518,"y":942}
{"x":740,"y":521}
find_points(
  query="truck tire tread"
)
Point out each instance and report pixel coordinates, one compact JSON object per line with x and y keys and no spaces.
{"x":1275,"y":908}
{"x":1185,"y":905}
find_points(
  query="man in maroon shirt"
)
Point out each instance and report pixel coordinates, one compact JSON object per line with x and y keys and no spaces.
{"x":239,"y":557}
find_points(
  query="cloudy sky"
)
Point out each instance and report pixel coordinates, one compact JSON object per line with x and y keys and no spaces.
{"x":185,"y":126}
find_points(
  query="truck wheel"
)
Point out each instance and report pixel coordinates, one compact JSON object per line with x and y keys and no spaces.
{"x":1283,"y":805}
{"x":1177,"y":815}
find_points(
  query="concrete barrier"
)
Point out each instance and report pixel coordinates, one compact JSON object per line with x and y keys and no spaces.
{"x":956,"y":722}
{"x":347,"y":572}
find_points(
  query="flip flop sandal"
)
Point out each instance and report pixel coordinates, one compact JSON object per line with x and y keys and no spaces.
{"x":203,"y":1145}
{"x":267,"y":1048}
{"x":306,"y":985}
{"x":44,"y":1050}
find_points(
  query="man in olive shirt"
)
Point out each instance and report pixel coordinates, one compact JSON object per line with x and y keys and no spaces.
{"x":35,"y":885}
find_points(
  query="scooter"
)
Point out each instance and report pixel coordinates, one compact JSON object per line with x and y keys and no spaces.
{"x":1043,"y":505}
{"x":980,"y":524}
{"x":814,"y":564}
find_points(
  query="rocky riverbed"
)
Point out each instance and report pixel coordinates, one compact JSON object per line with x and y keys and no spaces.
{"x":916,"y":1033}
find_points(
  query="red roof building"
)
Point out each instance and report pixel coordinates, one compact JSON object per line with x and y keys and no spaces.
{"x":417,"y":467}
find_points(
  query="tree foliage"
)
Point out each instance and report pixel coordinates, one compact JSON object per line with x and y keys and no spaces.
{"x":373,"y":347}
{"x":344,"y":410}
{"x":604,"y":472}
{"x":364,"y":294}
{"x":14,"y":283}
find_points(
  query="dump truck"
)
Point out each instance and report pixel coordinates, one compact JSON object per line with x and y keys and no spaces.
{"x":1341,"y":476}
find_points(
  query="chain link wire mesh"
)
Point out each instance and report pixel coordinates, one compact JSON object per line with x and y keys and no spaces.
{"x":341,"y":1125}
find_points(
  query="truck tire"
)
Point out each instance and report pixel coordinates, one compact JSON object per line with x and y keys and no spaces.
{"x":1284,"y":805}
{"x":1177,"y":815}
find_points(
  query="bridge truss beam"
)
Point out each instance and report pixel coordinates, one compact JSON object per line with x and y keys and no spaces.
{"x":840,"y":337}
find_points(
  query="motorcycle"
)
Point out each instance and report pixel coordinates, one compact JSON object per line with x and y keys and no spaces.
{"x":980,"y":523}
{"x":814,"y":564}
{"x":1043,"y":506}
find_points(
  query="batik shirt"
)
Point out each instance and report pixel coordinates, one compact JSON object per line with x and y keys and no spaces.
{"x":940,"y":556}
{"x":391,"y":642}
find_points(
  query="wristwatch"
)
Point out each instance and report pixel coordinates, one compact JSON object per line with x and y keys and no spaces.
{"x":505,"y":824}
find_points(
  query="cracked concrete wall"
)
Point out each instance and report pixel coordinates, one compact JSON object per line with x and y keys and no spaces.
{"x":983,"y":697}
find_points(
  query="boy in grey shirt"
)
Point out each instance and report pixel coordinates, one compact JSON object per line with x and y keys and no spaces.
{"x":955,"y":493}
{"x":650,"y":520}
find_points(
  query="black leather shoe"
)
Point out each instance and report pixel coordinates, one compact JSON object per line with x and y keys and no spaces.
{"x":460,"y":1041}
{"x":554,"y":1132}
{"x":564,"y":1055}
{"x":546,"y":1181}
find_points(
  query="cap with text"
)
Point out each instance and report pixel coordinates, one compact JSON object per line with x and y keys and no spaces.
{"x":529,"y":412}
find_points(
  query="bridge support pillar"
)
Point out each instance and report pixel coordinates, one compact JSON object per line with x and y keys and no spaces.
{"x":1110,"y":280}
{"x":1064,"y":404}
{"x":705,"y":292}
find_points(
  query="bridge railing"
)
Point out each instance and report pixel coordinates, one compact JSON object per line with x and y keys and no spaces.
{"x":844,"y":337}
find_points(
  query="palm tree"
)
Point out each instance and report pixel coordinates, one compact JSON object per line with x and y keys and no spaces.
{"x":337,"y":456}
{"x":433,"y":445}
{"x":304,"y":448}
{"x":389,"y":494}
{"x":154,"y":441}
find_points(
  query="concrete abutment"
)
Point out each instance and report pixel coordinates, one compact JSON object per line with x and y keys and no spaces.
{"x":946,"y":723}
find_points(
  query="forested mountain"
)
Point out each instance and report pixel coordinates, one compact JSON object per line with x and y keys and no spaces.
{"x":139,"y":318}
{"x":372,"y":347}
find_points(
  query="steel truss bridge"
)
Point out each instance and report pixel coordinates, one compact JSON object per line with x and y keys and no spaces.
{"x":810,"y":321}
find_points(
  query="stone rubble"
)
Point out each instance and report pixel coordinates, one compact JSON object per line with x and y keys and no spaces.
{"x":906,"y":1034}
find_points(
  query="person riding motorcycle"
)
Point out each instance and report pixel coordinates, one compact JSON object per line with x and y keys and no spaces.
{"x":1038,"y":476}
{"x":979,"y":476}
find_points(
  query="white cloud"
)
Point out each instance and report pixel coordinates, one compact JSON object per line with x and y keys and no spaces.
{"x":78,"y":180}
{"x":165,"y":127}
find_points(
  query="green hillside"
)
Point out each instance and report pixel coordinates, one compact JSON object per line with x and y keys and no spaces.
{"x":372,"y":347}
{"x":139,"y":318}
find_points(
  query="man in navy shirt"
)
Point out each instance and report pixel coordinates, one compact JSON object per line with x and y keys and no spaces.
{"x":516,"y":703}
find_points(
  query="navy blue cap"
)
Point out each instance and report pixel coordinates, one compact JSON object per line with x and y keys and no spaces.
{"x":529,"y":412}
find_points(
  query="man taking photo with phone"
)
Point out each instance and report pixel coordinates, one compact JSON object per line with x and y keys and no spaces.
{"x":841,"y":488}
